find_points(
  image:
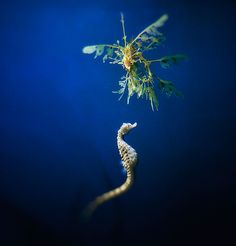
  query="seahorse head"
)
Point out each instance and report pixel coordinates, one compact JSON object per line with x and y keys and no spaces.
{"x":126,"y":127}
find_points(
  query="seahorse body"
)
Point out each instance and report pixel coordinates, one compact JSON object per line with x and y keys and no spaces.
{"x":129,"y":160}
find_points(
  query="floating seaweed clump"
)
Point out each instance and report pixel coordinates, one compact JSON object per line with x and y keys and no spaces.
{"x":139,"y":78}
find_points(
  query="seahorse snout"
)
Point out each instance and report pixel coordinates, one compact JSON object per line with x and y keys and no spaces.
{"x":134,"y":125}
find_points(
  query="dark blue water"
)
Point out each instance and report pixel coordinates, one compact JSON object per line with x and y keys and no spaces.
{"x":59,"y":120}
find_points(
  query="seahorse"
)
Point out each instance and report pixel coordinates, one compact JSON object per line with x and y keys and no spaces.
{"x":129,"y":160}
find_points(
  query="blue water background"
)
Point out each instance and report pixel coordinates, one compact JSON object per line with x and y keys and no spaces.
{"x":59,"y":120}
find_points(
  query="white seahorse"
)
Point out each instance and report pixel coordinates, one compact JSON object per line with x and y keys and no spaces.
{"x":129,"y":161}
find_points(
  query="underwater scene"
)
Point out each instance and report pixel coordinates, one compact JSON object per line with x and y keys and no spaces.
{"x":117,"y":122}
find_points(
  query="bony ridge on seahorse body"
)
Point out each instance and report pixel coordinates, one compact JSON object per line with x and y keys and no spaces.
{"x":129,"y":161}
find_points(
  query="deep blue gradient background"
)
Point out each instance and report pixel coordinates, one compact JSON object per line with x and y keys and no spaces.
{"x":59,"y":120}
